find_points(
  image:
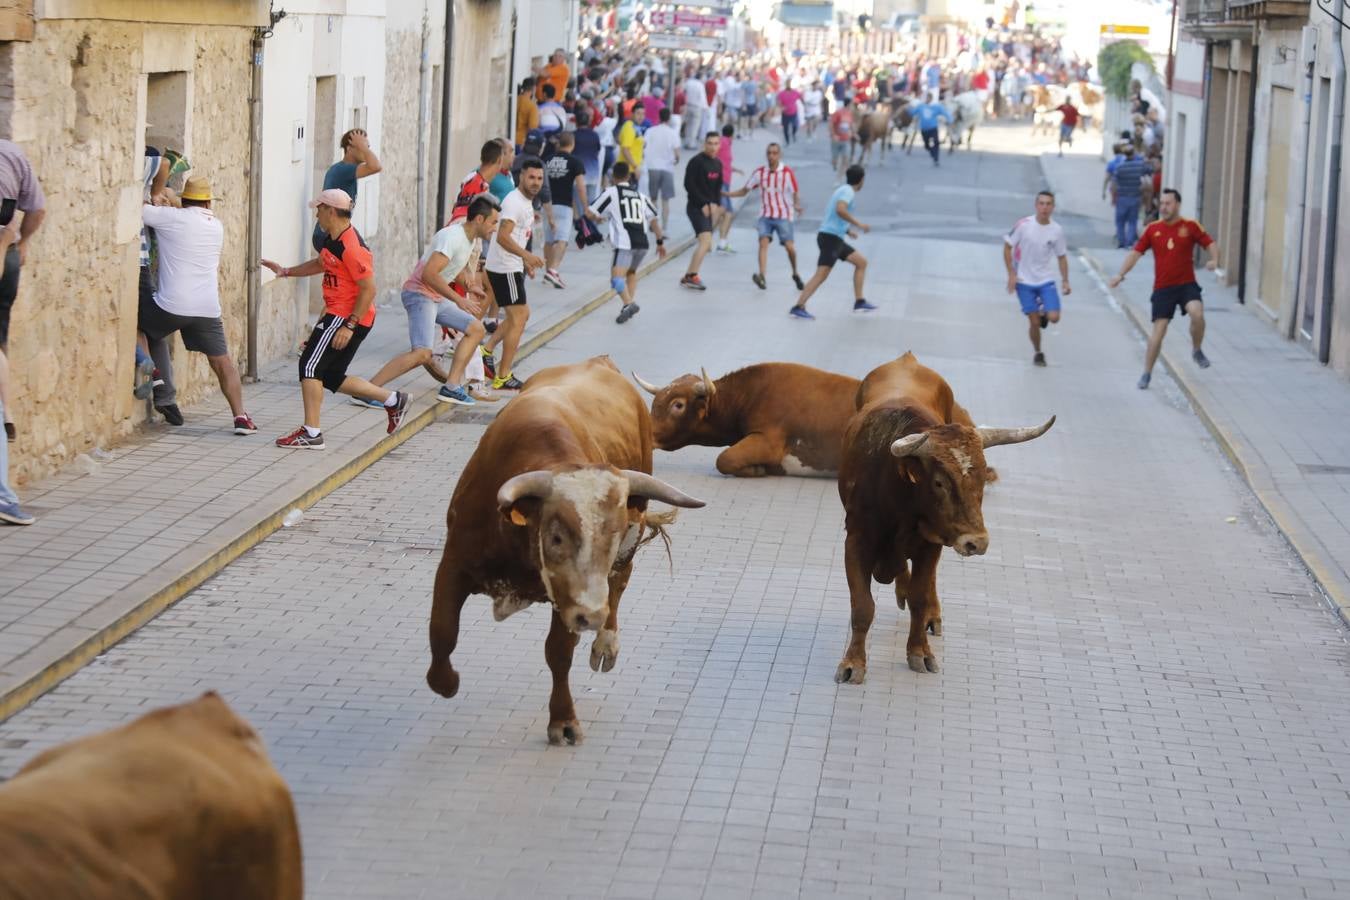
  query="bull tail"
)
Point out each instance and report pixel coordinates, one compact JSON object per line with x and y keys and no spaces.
{"x":654,"y":525}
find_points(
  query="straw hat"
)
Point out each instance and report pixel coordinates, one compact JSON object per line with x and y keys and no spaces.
{"x":197,"y":188}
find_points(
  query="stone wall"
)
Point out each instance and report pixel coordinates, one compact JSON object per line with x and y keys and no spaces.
{"x":78,"y":91}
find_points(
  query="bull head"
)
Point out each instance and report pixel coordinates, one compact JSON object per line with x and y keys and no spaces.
{"x":579,"y":520}
{"x":680,"y":409}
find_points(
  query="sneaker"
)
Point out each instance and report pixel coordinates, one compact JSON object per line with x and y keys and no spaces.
{"x":800,"y":312}
{"x":11,"y":514}
{"x":368,"y":404}
{"x":244,"y":425}
{"x":456,"y":395}
{"x":1143,"y":381}
{"x":553,"y":278}
{"x":1200,"y":358}
{"x":758,"y":279}
{"x":509,"y":383}
{"x":481,"y":394}
{"x":797,"y":280}
{"x":628,"y":312}
{"x":171,"y":414}
{"x":693,"y":281}
{"x":1045,"y":320}
{"x":299,"y":439}
{"x":1039,"y":360}
{"x":489,"y":362}
{"x":146,"y":378}
{"x":397,"y":411}
{"x":861,"y":305}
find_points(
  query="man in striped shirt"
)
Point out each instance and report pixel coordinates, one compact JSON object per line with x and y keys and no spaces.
{"x":779,"y":206}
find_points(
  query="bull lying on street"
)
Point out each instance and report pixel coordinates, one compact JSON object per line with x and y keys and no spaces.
{"x":912,"y":482}
{"x":181,"y":804}
{"x":551,"y":508}
{"x":775,"y":418}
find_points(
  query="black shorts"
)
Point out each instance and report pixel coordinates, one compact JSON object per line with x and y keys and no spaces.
{"x":1166,"y":301}
{"x":508,"y":288}
{"x":321,"y":360}
{"x":832,"y":249}
{"x":699,"y":219}
{"x":200,"y":333}
{"x":9,"y":290}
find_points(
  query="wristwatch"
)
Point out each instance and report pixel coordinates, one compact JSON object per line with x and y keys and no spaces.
{"x":350,"y":323}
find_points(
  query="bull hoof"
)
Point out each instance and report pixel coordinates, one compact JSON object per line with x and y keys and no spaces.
{"x":443,"y":679}
{"x":850,"y":672}
{"x":923,"y":663}
{"x":604,"y":650}
{"x":569,"y":731}
{"x":935,"y":627}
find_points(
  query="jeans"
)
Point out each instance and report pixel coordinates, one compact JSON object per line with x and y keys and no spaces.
{"x":789,"y":128}
{"x":1127,"y":221}
{"x":7,"y":496}
{"x":931,"y":142}
{"x":165,"y":394}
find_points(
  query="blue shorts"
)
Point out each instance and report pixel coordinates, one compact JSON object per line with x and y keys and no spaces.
{"x":425,"y":313}
{"x":768,"y":227}
{"x":1038,"y":297}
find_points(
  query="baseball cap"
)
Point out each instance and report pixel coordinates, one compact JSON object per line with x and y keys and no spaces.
{"x":534,"y":136}
{"x":334,"y":197}
{"x":197,"y":188}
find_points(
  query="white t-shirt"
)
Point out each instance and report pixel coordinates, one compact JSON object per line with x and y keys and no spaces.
{"x":1036,"y":249}
{"x":520,"y":210}
{"x":813,"y":100}
{"x":627,"y":212}
{"x":661,"y":144}
{"x":606,"y":131}
{"x":695,"y":94}
{"x":189,"y":259}
{"x":452,"y":243}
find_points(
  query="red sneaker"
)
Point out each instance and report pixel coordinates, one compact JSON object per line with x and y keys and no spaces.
{"x":299,"y":439}
{"x":244,"y":425}
{"x":397,"y":411}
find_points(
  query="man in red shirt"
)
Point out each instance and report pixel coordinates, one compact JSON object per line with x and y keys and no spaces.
{"x":1067,"y":125}
{"x":349,"y":312}
{"x":1172,"y":240}
{"x":478,"y":181}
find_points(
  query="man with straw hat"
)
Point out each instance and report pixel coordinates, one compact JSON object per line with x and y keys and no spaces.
{"x":187,"y":298}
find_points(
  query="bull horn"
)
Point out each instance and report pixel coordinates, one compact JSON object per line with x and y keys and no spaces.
{"x":911,"y":445}
{"x":707,"y":389}
{"x":646,"y":385}
{"x":993,"y":437}
{"x":538,"y":483}
{"x":640,"y":484}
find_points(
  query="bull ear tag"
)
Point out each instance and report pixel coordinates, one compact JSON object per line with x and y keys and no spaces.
{"x":518,"y":518}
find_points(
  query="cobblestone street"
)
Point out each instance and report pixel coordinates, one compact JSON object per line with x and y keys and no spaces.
{"x":1143,"y":693}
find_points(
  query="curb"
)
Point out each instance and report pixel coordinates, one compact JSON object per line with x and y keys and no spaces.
{"x":1286,"y":520}
{"x":164,"y":595}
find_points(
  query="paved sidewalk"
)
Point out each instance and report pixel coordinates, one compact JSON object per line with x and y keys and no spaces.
{"x":1283,"y":418}
{"x":113,"y":548}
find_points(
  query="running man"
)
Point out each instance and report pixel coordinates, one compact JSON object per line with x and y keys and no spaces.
{"x":780,"y":203}
{"x":443,"y":290}
{"x":841,"y":136}
{"x":1067,"y":124}
{"x":830,"y":239}
{"x":1173,"y":241}
{"x":508,"y":264}
{"x":703,"y":180}
{"x":1029,"y":254}
{"x":926,"y":117}
{"x":629,"y":213}
{"x":348,"y":313}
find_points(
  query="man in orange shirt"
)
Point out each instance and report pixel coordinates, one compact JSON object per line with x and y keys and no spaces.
{"x":555,"y":73}
{"x":527,"y":111}
{"x":349,"y":312}
{"x":1172,"y":240}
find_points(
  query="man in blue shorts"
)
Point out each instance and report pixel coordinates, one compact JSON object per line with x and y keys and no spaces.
{"x":780,"y":204}
{"x":1030,"y":252}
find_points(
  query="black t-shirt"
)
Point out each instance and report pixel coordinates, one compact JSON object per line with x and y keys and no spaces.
{"x":561,"y":170}
{"x":703,"y":180}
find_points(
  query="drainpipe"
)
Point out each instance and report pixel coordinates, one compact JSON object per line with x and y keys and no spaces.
{"x":1205,"y":81}
{"x":423,"y":88}
{"x":1308,"y":47}
{"x":1333,"y":188}
{"x":1247,"y":173}
{"x":253,"y":272}
{"x":443,"y":186}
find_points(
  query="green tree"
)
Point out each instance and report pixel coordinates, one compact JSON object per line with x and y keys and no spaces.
{"x":1114,"y":63}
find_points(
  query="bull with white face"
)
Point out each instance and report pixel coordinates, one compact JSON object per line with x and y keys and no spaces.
{"x":912,"y":482}
{"x":551,"y":508}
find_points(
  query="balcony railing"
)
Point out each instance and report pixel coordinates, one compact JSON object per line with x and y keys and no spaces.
{"x":1194,"y":12}
{"x":1207,"y":12}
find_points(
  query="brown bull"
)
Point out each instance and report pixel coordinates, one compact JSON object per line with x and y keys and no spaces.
{"x":551,"y":508}
{"x":912,"y":482}
{"x":181,"y":804}
{"x":776,"y":418}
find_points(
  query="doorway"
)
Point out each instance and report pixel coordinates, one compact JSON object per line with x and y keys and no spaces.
{"x":1271,"y":292}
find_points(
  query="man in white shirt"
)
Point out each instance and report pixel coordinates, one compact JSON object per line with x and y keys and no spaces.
{"x":695,"y":106}
{"x":508,"y":264}
{"x":1030,"y":252}
{"x":187,"y":299}
{"x":661,"y":154}
{"x":443,"y":290}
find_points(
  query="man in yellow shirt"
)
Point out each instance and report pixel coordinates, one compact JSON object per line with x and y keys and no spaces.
{"x":527,"y":111}
{"x":630,"y":141}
